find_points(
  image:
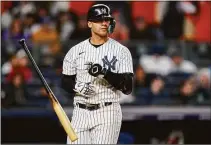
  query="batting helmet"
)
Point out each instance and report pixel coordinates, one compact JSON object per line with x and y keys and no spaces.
{"x":100,"y":12}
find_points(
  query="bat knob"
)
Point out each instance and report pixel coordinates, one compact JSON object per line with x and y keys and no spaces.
{"x":22,"y":41}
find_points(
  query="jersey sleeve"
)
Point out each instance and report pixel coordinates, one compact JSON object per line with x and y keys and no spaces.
{"x":126,"y":62}
{"x":69,"y":63}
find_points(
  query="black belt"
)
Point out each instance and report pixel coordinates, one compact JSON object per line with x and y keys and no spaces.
{"x":92,"y":106}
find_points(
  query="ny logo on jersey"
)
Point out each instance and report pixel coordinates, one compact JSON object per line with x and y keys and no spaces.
{"x":110,"y":64}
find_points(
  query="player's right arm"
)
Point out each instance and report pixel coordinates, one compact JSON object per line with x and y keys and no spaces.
{"x":69,"y":71}
{"x":68,"y":81}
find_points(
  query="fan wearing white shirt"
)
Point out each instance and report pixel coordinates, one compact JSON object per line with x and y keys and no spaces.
{"x":179,"y":64}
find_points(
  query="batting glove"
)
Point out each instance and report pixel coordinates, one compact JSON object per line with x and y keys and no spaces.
{"x":97,"y":70}
{"x":84,"y":89}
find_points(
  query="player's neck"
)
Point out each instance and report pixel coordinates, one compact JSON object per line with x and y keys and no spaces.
{"x":96,"y":40}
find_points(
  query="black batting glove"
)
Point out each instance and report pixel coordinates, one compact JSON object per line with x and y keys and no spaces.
{"x":97,"y":70}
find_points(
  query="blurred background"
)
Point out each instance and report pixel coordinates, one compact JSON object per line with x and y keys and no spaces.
{"x":170,"y":43}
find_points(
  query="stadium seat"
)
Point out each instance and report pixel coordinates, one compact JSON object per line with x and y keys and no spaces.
{"x":126,"y":138}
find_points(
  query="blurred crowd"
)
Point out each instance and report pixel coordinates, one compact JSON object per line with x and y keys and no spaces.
{"x":164,"y":74}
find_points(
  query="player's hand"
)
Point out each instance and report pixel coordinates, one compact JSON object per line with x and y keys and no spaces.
{"x":84,"y":89}
{"x":97,"y":70}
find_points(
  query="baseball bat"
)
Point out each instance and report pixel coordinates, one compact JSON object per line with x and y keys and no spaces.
{"x":55,"y":103}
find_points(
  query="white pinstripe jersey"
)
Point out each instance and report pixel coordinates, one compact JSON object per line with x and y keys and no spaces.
{"x":112,"y":55}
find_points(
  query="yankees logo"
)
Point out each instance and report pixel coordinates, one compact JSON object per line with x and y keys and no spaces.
{"x":103,"y":10}
{"x":110,"y":64}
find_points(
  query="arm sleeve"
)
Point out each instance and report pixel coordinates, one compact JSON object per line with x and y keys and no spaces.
{"x":69,"y":71}
{"x":68,"y":83}
{"x":122,"y":81}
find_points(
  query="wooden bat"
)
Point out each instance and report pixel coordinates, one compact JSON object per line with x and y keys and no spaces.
{"x":55,"y":103}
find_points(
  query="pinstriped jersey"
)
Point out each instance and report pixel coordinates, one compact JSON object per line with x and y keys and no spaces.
{"x":111,"y":55}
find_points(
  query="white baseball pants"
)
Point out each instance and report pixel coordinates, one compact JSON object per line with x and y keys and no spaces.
{"x":101,"y":126}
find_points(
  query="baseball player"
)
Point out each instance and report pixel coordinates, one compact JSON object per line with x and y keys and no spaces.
{"x":97,"y":70}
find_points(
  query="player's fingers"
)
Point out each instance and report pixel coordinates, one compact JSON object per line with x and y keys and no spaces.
{"x":92,"y":86}
{"x":75,"y":90}
{"x":90,"y":91}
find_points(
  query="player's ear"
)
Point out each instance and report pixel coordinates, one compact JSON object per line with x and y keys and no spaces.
{"x":89,"y":24}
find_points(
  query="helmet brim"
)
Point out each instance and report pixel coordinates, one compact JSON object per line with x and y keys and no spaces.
{"x":100,"y":19}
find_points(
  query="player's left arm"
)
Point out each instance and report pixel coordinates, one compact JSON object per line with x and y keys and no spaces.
{"x":123,"y":80}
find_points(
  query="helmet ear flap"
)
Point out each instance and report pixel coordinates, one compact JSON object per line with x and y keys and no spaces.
{"x":111,"y":26}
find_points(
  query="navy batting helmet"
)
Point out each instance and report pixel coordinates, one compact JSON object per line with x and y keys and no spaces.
{"x":100,"y":12}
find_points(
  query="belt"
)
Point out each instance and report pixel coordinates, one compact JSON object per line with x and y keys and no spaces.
{"x":92,"y":106}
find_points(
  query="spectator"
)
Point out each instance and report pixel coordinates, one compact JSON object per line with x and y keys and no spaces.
{"x":58,"y":6}
{"x":15,"y":91}
{"x":20,"y":66}
{"x":155,"y":61}
{"x":185,"y":92}
{"x":142,"y":31}
{"x":189,"y":93}
{"x":143,"y":79}
{"x":7,"y":66}
{"x":204,"y":85}
{"x":29,"y":24}
{"x":179,"y":64}
{"x":41,"y":95}
{"x":82,"y":31}
{"x":190,"y":10}
{"x":12,"y":35}
{"x":46,"y":34}
{"x":42,"y":14}
{"x":39,"y":17}
{"x":154,"y":92}
{"x":55,"y":58}
{"x":45,"y":39}
{"x":173,"y":21}
{"x":157,"y":86}
{"x":24,"y":8}
{"x":6,"y":19}
{"x":140,"y":77}
{"x":198,"y":20}
{"x":65,"y":25}
{"x":204,"y":76}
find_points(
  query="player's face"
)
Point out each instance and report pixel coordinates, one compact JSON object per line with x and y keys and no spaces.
{"x":100,"y":28}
